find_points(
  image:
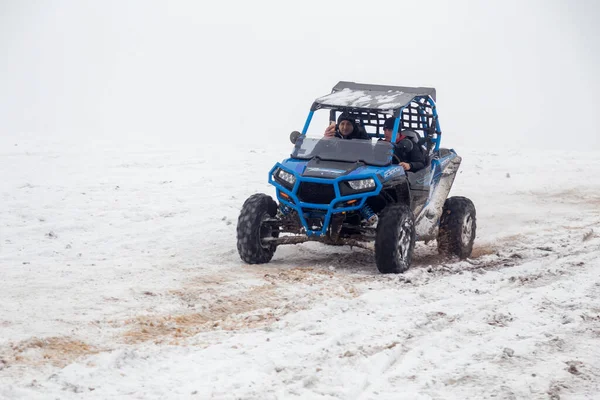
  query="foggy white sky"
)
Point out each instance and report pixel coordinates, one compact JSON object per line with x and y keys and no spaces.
{"x":524,"y":71}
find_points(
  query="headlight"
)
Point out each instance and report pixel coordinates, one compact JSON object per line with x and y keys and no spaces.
{"x":286,"y":176}
{"x":362,"y":184}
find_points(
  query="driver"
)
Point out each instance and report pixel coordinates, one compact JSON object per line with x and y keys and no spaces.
{"x":346,"y":129}
{"x":411,"y":160}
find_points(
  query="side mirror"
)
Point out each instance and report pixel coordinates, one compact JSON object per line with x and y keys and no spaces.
{"x":294,"y":136}
{"x":405,"y":144}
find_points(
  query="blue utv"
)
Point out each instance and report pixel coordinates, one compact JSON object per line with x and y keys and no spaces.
{"x":353,"y":192}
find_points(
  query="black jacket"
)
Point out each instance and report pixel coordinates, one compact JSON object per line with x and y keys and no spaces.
{"x":415,"y":157}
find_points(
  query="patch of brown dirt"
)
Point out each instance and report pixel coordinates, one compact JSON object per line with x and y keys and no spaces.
{"x":244,"y":309}
{"x":224,"y":312}
{"x":58,"y":351}
{"x":483,"y":250}
{"x":199,"y":289}
{"x":512,"y":239}
{"x":309,"y":276}
{"x":429,"y":257}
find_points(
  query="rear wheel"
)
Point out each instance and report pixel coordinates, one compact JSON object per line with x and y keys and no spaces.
{"x":395,"y":239}
{"x":458,"y":226}
{"x":253,"y":229}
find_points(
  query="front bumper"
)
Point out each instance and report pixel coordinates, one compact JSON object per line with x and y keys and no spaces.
{"x":319,"y":198}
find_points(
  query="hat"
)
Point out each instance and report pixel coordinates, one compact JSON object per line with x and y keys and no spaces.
{"x":345,"y":117}
{"x":389,"y":123}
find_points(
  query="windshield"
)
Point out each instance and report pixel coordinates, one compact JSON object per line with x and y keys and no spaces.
{"x":372,"y":153}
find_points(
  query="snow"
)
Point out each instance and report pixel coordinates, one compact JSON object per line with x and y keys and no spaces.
{"x":121,"y":279}
{"x":360,"y":98}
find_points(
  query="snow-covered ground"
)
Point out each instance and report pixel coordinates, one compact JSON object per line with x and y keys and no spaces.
{"x":121,"y":279}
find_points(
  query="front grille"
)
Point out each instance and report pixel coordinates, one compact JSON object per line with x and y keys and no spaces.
{"x":316,"y":193}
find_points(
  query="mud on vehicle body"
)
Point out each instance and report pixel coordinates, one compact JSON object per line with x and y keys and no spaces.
{"x":351,"y":192}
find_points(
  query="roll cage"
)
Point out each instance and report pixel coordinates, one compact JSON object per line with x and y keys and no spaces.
{"x":370,"y":105}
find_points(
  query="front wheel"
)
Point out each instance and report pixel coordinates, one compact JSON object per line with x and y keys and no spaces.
{"x":252,"y":229}
{"x":458,"y":226}
{"x":395,"y":239}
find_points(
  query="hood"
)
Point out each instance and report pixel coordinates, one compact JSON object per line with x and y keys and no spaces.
{"x":317,"y":168}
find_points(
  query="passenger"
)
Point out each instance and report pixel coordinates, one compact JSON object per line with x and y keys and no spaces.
{"x":346,"y":128}
{"x":411,"y":160}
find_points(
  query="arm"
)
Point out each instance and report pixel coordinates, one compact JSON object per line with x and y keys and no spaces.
{"x":416,"y":158}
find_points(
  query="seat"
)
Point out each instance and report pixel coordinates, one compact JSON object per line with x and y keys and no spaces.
{"x":416,"y":138}
{"x":413,"y":135}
